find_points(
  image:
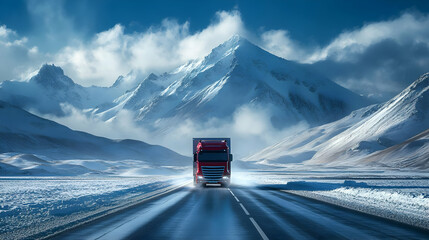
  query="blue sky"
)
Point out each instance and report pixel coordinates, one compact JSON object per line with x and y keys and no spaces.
{"x":375,"y":48}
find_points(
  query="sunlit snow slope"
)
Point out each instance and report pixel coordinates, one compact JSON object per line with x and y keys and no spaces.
{"x":363,"y":132}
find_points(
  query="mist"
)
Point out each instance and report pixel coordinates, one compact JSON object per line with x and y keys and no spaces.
{"x":250,"y":129}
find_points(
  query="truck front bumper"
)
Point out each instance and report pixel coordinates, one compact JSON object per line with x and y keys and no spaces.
{"x":223,"y":180}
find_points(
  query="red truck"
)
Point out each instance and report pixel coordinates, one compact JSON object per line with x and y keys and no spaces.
{"x":212,"y":161}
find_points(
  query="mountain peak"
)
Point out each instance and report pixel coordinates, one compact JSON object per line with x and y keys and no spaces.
{"x":236,"y":44}
{"x":51,"y":76}
{"x":51,"y":69}
{"x":152,"y":77}
{"x":236,"y":39}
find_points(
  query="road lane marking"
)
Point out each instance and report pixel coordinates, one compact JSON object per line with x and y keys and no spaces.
{"x":255,"y":224}
{"x":259,"y":229}
{"x":244,"y":209}
{"x":233,"y":195}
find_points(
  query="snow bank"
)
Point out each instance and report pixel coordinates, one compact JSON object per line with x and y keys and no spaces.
{"x":401,"y":196}
{"x":407,"y":205}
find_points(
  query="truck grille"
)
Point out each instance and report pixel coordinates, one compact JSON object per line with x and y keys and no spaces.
{"x":212,"y":174}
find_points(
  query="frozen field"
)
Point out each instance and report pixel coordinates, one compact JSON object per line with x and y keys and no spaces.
{"x":30,"y":206}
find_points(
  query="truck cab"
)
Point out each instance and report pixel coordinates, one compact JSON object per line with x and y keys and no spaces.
{"x":212,"y":161}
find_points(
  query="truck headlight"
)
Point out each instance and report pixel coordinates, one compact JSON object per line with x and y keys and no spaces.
{"x":225,"y":177}
{"x":200,"y":177}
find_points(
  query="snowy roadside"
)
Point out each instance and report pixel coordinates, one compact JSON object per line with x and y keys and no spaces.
{"x":397,"y":195}
{"x":36,"y":207}
{"x":406,"y":207}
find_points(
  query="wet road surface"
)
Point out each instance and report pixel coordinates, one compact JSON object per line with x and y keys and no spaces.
{"x":240,"y":213}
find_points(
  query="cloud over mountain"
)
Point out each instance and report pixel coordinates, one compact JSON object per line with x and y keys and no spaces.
{"x":377,"y":59}
{"x":159,"y":49}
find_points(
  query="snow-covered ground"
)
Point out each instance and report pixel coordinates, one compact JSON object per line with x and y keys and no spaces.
{"x":14,"y":164}
{"x":40,"y":206}
{"x":397,"y":195}
{"x":32,"y":207}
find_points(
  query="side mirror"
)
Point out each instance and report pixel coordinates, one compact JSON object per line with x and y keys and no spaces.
{"x":195,"y":157}
{"x":230,"y":157}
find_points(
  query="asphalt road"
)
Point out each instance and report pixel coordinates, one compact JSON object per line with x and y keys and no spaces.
{"x":240,"y":213}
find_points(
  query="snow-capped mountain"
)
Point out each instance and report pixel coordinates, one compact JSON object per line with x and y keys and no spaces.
{"x":234,"y":74}
{"x":304,"y":145}
{"x":43,"y":92}
{"x":34,"y":139}
{"x":403,"y":117}
{"x":50,"y":87}
{"x":363,"y":132}
{"x":139,"y":96}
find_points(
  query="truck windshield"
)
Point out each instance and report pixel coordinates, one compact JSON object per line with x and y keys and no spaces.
{"x":212,"y":156}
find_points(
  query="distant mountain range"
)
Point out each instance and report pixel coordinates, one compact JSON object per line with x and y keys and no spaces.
{"x":345,"y":128}
{"x":234,"y":74}
{"x":49,"y":88}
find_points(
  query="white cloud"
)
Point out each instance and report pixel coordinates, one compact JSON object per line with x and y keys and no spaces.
{"x":405,"y":29}
{"x":114,"y":52}
{"x":201,"y":43}
{"x":280,"y":43}
{"x":17,"y":58}
{"x":5,"y":32}
{"x":378,"y":59}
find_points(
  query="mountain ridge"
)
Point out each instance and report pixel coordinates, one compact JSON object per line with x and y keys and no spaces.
{"x":218,"y":84}
{"x":23,"y":132}
{"x":357,"y":139}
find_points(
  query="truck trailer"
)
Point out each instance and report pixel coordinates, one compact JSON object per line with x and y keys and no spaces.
{"x":212,"y":161}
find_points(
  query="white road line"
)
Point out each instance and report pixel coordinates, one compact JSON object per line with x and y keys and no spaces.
{"x":264,"y":237}
{"x":244,"y":209}
{"x":259,"y":229}
{"x":233,"y":195}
